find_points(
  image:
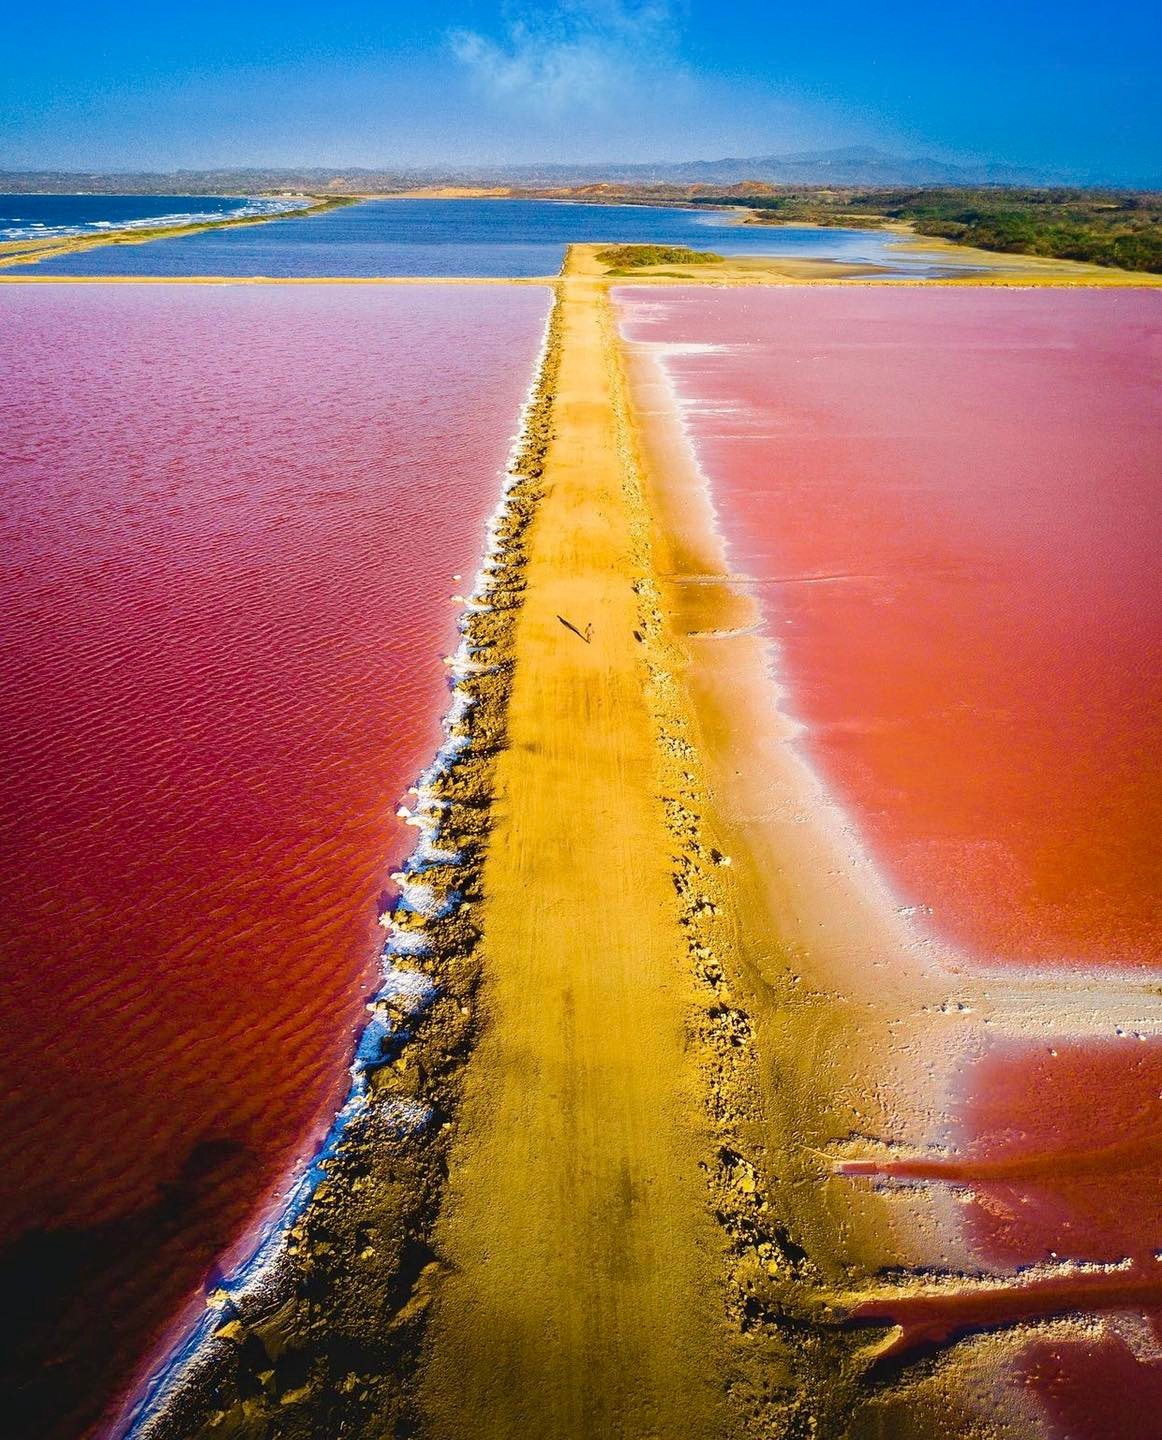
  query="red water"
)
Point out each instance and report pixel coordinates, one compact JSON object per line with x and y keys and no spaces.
{"x":950,"y":499}
{"x":1057,"y":1154}
{"x":231,"y":522}
{"x":1061,"y":1145}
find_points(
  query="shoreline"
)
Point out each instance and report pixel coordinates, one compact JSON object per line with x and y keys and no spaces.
{"x":822,"y":963}
{"x":421,"y":1014}
{"x":862,"y":1022}
{"x":33,"y":251}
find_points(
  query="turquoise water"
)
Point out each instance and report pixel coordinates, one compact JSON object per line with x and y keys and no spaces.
{"x":467,"y":237}
{"x":25,"y":217}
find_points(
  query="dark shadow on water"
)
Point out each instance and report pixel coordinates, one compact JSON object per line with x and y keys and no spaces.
{"x":82,"y":1305}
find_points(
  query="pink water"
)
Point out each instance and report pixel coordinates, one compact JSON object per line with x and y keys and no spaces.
{"x":948,"y":503}
{"x":949,"y":500}
{"x":1056,"y":1152}
{"x":232,"y":517}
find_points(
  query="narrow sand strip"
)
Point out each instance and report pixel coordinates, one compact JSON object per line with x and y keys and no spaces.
{"x":580,"y":1296}
{"x":276,"y":279}
{"x":981,"y":268}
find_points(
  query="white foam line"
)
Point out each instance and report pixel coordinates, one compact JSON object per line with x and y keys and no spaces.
{"x":251,"y":210}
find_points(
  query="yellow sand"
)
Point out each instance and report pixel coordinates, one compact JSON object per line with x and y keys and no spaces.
{"x":581,"y":1297}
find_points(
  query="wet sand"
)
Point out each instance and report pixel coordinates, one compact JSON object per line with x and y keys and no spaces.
{"x":945,"y":502}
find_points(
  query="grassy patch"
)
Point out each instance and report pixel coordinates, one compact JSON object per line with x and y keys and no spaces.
{"x":637,"y":257}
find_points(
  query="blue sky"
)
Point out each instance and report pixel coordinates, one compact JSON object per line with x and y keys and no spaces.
{"x":1068,"y":87}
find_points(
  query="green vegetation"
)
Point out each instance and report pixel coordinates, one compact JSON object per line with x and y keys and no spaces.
{"x":1116,"y":228}
{"x":637,"y":257}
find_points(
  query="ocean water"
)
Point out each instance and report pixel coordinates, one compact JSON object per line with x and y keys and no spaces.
{"x":31,"y":217}
{"x":233,"y":523}
{"x":949,"y":499}
{"x":468,"y":237}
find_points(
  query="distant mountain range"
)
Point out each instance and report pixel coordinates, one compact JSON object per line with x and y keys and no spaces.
{"x":854,"y":165}
{"x":857,"y":165}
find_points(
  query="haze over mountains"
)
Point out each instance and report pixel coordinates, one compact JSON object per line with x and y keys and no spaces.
{"x":854,"y":165}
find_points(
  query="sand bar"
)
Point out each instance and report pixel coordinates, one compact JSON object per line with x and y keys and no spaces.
{"x":580,"y":1293}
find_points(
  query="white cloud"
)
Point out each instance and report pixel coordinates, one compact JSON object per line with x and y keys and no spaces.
{"x":580,"y":55}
